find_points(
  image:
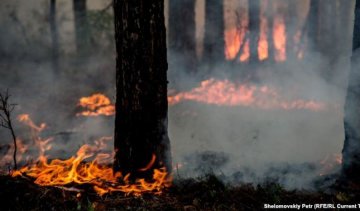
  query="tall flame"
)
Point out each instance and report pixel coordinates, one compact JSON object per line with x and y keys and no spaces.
{"x":237,"y":40}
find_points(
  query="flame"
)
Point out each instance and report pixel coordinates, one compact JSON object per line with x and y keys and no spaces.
{"x":226,"y":93}
{"x":236,"y":37}
{"x":7,"y":159}
{"x":329,"y":163}
{"x":150,"y":164}
{"x":96,"y":105}
{"x":279,"y":33}
{"x":88,"y":166}
{"x":25,"y":118}
{"x":76,"y":171}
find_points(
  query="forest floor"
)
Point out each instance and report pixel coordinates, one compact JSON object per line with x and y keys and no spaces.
{"x":207,"y":193}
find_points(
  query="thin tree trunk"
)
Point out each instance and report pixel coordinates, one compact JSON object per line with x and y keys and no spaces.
{"x":313,"y":25}
{"x":328,"y":44}
{"x":270,"y":32}
{"x":141,"y":82}
{"x":214,"y":41}
{"x":182,"y":43}
{"x":254,"y":28}
{"x":291,"y":22}
{"x":54,"y":37}
{"x":82,"y":35}
{"x":351,"y":150}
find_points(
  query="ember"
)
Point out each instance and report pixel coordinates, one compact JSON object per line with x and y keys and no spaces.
{"x":226,"y":93}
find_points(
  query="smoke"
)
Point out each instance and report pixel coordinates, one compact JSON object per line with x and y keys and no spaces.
{"x":249,"y":144}
{"x":241,"y":143}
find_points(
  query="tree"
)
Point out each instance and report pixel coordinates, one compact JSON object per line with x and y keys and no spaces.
{"x":291,"y":21}
{"x":270,"y":32}
{"x":254,"y":29}
{"x":141,"y":83}
{"x":214,"y":42}
{"x":182,"y":34}
{"x":351,"y":149}
{"x":313,"y":24}
{"x":81,"y":27}
{"x":54,"y":36}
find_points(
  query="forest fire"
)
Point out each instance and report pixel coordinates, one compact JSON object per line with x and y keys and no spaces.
{"x":237,"y":41}
{"x":88,"y":166}
{"x":96,"y":105}
{"x":226,"y":93}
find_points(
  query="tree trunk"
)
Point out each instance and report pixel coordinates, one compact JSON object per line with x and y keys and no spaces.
{"x":82,"y":35}
{"x":254,"y":29}
{"x":351,"y":150}
{"x":214,"y":41}
{"x":270,"y":32}
{"x":141,"y":83}
{"x":54,"y":37}
{"x":291,"y":22}
{"x":313,"y":25}
{"x":182,"y":43}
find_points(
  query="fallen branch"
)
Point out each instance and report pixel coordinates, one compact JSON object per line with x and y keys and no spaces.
{"x":5,"y":119}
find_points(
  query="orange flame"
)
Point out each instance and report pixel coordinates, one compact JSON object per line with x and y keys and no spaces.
{"x":226,"y":93}
{"x":101,"y":177}
{"x":97,"y":172}
{"x":96,"y":105}
{"x":235,"y":38}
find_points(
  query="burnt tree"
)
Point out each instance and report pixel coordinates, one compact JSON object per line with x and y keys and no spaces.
{"x":182,"y":34}
{"x":254,"y":29}
{"x":214,"y":41}
{"x":54,"y":36}
{"x":351,"y":149}
{"x":82,"y":35}
{"x":141,"y":88}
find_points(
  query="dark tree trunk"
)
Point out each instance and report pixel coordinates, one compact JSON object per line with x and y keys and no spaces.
{"x":351,"y":150}
{"x":254,"y":29}
{"x":313,"y":25}
{"x":270,"y":32}
{"x":82,"y":35}
{"x":214,"y":41}
{"x":291,"y":22}
{"x":141,"y":83}
{"x":182,"y":43}
{"x":54,"y":37}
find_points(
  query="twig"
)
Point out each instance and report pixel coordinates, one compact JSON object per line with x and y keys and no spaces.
{"x":5,"y":119}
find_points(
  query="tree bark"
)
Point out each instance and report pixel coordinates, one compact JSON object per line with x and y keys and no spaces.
{"x":182,"y":43}
{"x":82,"y":35}
{"x":351,"y":149}
{"x":254,"y":29}
{"x":141,"y":83}
{"x":214,"y":41}
{"x":54,"y":37}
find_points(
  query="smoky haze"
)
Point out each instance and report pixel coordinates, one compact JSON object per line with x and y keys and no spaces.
{"x":241,"y":143}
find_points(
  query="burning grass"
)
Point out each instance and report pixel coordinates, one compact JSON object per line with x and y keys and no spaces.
{"x":90,"y":166}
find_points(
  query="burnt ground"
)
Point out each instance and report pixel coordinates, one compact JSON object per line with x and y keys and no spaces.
{"x":206,"y":193}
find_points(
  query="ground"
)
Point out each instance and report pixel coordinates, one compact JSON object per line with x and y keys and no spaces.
{"x":206,"y":193}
